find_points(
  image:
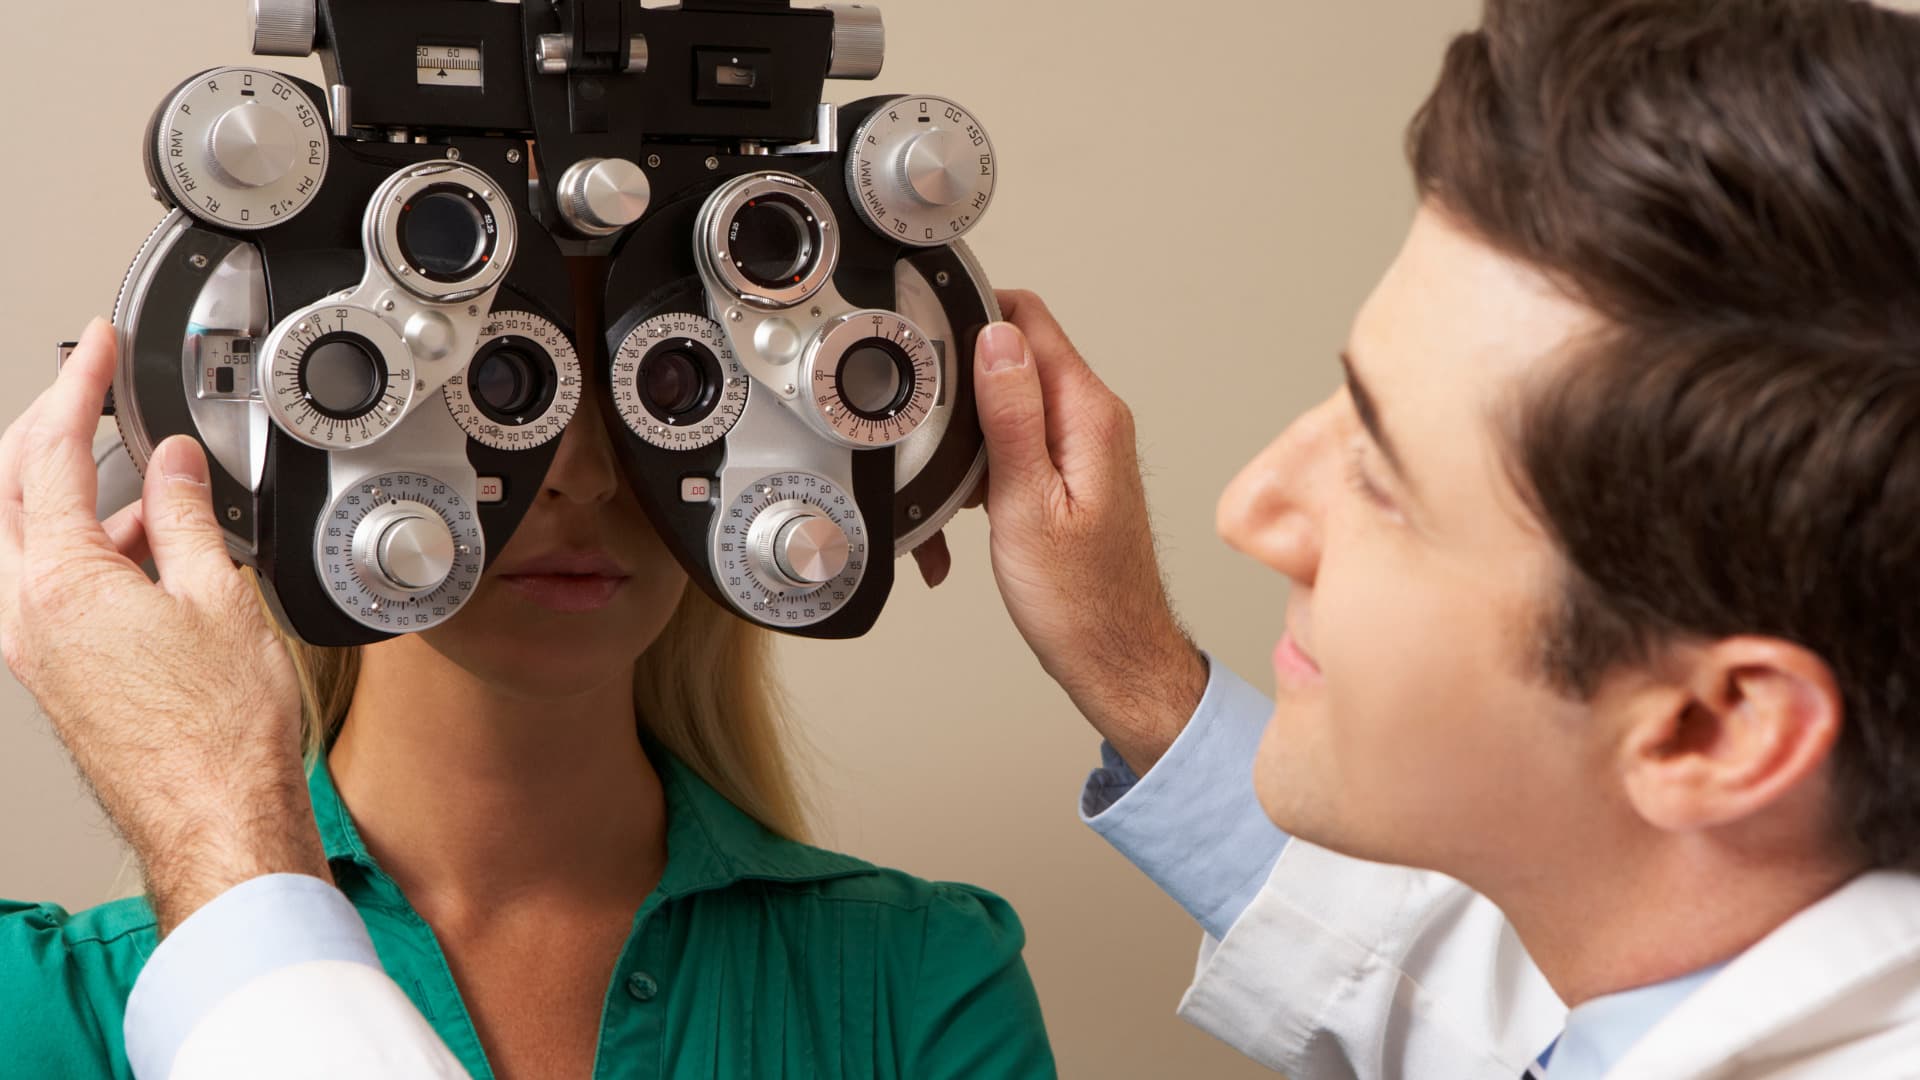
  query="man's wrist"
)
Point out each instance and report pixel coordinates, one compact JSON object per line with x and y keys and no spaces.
{"x":208,"y":849}
{"x":1141,"y":707}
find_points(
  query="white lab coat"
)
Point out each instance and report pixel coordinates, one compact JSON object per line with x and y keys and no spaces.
{"x":1341,"y":969}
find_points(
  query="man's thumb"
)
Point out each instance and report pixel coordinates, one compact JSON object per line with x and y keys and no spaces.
{"x":1013,"y":411}
{"x":187,"y":542}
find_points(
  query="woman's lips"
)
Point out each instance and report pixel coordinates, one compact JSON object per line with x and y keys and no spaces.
{"x":1293,"y":665}
{"x":570,"y":594}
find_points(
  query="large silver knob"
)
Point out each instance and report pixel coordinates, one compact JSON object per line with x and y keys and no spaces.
{"x":406,"y":545}
{"x":601,"y":196}
{"x":252,"y":145}
{"x":798,"y":545}
{"x":284,"y":27}
{"x":859,"y":42}
{"x":938,"y":168}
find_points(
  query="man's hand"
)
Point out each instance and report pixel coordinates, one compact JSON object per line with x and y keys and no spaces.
{"x":1072,"y":543}
{"x":176,"y":700}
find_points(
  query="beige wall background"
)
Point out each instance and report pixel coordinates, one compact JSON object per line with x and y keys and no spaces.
{"x":1204,"y":192}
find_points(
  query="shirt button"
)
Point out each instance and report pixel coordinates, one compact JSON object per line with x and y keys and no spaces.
{"x":642,"y":987}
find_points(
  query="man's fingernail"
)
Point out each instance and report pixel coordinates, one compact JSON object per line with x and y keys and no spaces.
{"x":179,"y":462}
{"x":1002,"y":347}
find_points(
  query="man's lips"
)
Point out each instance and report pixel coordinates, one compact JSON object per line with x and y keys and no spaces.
{"x":1292,"y":663}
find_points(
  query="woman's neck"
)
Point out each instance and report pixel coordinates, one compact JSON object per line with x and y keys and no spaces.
{"x":475,"y":801}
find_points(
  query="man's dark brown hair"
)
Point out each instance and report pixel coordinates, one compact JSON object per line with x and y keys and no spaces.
{"x":1735,"y":186}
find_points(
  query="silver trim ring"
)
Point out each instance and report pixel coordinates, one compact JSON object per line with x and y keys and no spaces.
{"x":828,"y":408}
{"x":713,"y":247}
{"x":381,"y":232}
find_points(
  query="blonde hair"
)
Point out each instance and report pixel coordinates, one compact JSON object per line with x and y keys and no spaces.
{"x":705,"y":691}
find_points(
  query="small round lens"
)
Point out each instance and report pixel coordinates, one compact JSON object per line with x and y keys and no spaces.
{"x":444,"y":234}
{"x":342,"y":377}
{"x":505,"y":382}
{"x":773,"y":242}
{"x":875,"y":379}
{"x":673,"y":382}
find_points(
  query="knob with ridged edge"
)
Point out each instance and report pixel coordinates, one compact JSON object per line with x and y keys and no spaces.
{"x":284,"y":27}
{"x":859,"y":42}
{"x":601,"y":196}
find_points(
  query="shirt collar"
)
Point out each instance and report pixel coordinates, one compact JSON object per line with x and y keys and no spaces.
{"x":1600,"y":1032}
{"x":711,"y":843}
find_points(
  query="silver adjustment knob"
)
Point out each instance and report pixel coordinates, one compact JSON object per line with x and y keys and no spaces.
{"x":407,"y":546}
{"x":859,"y":41}
{"x":799,"y":546}
{"x":938,"y":168}
{"x":284,"y":27}
{"x":601,"y":196}
{"x":252,"y":146}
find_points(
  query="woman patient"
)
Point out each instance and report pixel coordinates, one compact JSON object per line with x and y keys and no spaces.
{"x":570,"y":823}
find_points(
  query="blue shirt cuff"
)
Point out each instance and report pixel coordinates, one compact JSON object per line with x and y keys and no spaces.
{"x":1193,"y":823}
{"x":252,"y":929}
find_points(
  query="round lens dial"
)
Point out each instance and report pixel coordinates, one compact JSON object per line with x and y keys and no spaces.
{"x":522,"y":387}
{"x":677,"y":383}
{"x":872,"y":379}
{"x":337,"y":377}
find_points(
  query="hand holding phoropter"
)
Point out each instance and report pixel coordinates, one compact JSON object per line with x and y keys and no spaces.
{"x":1072,"y":544}
{"x":177,"y":700}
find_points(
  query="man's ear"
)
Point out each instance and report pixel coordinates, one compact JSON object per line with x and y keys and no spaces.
{"x":1734,"y":727}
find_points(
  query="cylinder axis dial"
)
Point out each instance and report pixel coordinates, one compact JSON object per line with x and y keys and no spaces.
{"x":240,"y":148}
{"x":791,"y":550}
{"x":677,"y":382}
{"x":872,"y":379}
{"x":523,"y":386}
{"x":337,"y":377}
{"x":922,"y":171}
{"x":400,"y":552}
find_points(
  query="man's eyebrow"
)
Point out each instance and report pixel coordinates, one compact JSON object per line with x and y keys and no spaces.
{"x":1369,"y":413}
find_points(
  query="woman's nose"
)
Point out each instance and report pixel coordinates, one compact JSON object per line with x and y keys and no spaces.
{"x":1275,"y":509}
{"x":584,"y":469}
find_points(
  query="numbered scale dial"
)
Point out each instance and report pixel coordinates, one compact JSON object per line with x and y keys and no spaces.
{"x":523,"y":386}
{"x":873,"y":378}
{"x":337,"y":377}
{"x":791,"y":550}
{"x":677,"y":382}
{"x":922,"y":171}
{"x":240,"y":148}
{"x":400,"y":552}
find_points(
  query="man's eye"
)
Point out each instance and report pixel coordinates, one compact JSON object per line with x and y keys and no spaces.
{"x":1363,"y":483}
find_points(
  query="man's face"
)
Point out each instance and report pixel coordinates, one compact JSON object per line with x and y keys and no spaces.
{"x":1410,"y":727}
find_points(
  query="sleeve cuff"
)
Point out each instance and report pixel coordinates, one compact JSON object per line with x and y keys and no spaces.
{"x":250,"y":930}
{"x":1193,"y":824}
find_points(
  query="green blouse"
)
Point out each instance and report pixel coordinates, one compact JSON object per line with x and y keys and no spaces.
{"x":756,"y":957}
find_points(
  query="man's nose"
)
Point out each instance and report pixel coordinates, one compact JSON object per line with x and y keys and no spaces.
{"x":584,"y":468}
{"x":1275,"y":509}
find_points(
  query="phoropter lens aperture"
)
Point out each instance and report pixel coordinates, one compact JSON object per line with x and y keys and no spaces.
{"x":774,"y":241}
{"x":512,"y":381}
{"x":875,"y":379}
{"x":447,"y":233}
{"x":343,"y":376}
{"x":680,"y":382}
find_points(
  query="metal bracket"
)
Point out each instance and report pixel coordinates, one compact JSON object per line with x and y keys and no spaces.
{"x":826,"y":137}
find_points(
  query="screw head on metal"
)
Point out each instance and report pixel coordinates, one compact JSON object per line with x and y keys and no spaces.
{"x":943,"y":279}
{"x":915,"y":513}
{"x":233,"y":513}
{"x":513,"y":156}
{"x":473,"y":309}
{"x":735,"y":315}
{"x":453,"y":153}
{"x":198,"y":262}
{"x":713,"y":163}
{"x":653,"y":161}
{"x":791,"y":389}
{"x":389,"y":305}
